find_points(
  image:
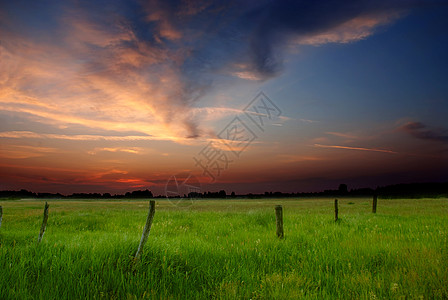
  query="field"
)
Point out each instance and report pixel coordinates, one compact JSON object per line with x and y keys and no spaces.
{"x":226,"y":249}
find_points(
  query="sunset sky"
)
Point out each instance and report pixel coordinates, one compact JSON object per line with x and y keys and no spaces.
{"x":247,"y":96}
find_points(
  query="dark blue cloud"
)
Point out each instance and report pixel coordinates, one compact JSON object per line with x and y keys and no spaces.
{"x":214,"y":34}
{"x":421,"y":131}
{"x":254,"y":32}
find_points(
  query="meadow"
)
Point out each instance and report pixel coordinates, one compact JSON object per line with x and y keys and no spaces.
{"x":226,"y":249}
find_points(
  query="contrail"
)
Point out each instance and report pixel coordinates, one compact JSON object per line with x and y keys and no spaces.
{"x":355,"y":148}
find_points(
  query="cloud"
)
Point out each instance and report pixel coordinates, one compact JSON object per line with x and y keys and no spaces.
{"x":294,"y":158}
{"x":214,"y":113}
{"x":352,"y":30}
{"x":354,"y":148}
{"x":45,"y":177}
{"x":75,"y":137}
{"x":142,"y":66}
{"x":343,"y":135}
{"x":421,"y":131}
{"x":131,"y":150}
{"x":22,"y":151}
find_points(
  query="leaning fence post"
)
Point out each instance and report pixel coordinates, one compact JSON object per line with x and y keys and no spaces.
{"x":44,"y":223}
{"x":147,"y":229}
{"x":1,"y":215}
{"x":336,"y":211}
{"x":375,"y":200}
{"x":279,"y":220}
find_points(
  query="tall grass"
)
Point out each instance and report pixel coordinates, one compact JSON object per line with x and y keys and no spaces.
{"x":226,"y":249}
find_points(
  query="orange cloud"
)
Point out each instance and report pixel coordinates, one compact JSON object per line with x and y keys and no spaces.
{"x":110,"y":87}
{"x":22,"y":151}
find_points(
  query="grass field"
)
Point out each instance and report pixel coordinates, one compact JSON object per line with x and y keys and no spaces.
{"x":226,"y":249}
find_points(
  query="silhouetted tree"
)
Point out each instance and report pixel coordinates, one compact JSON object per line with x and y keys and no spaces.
{"x":343,"y":189}
{"x":140,"y":194}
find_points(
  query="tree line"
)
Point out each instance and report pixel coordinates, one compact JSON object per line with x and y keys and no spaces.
{"x":409,"y":190}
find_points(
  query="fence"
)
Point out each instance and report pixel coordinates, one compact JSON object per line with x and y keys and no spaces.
{"x":152,"y":208}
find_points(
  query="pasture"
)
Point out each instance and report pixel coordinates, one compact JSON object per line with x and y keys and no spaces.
{"x":226,"y":249}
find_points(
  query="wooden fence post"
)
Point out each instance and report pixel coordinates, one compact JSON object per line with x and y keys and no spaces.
{"x":279,"y":220}
{"x":1,"y":215}
{"x":336,"y":211}
{"x":44,"y":223}
{"x":375,"y":200}
{"x":147,"y":229}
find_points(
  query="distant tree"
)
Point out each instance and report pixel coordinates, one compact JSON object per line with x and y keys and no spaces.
{"x":232,"y":195}
{"x":48,"y":195}
{"x":222,"y":194}
{"x":140,"y":194}
{"x":194,"y":195}
{"x":343,"y":189}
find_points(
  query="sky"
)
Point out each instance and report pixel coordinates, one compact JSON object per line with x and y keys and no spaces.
{"x":246,"y":96}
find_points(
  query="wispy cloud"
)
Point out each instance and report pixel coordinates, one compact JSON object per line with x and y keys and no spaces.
{"x":293,"y":158}
{"x":76,"y":137}
{"x":354,"y":148}
{"x":342,"y":134}
{"x":352,"y":30}
{"x":213,"y":113}
{"x":143,"y":66}
{"x":22,"y":151}
{"x":131,"y":150}
{"x":308,"y":121}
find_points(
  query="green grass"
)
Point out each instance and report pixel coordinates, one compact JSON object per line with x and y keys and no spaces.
{"x":226,"y":249}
